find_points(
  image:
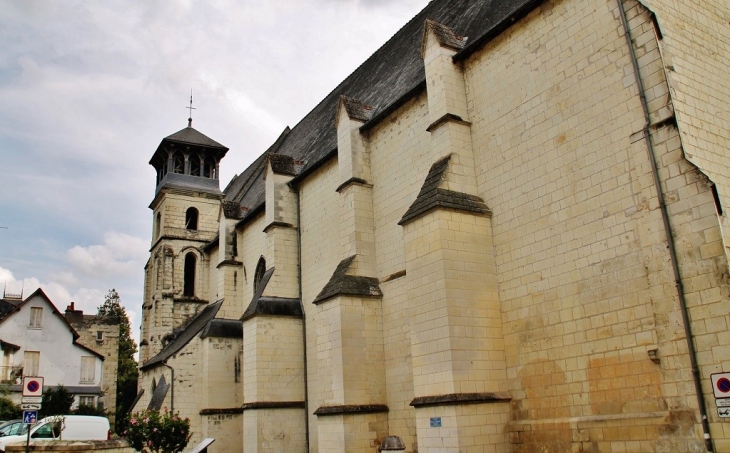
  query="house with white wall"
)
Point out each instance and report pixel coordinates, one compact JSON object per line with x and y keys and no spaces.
{"x":37,"y":340}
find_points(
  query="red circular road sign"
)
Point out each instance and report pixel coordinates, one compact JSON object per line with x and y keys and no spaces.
{"x":723,"y":385}
{"x":33,"y":386}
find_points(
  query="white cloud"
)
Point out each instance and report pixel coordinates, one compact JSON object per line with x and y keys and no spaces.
{"x":121,"y":255}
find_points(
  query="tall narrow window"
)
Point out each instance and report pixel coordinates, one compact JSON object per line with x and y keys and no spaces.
{"x":189,"y":279}
{"x":36,"y":318}
{"x":191,"y":219}
{"x":31,"y":363}
{"x":88,"y":369}
{"x":259,"y":274}
{"x":158,"y":223}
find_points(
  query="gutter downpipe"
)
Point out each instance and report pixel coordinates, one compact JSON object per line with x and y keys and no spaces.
{"x":670,"y":237}
{"x":172,"y":387}
{"x":304,"y":324}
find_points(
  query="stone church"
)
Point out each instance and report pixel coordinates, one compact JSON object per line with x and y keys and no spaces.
{"x":504,"y":232}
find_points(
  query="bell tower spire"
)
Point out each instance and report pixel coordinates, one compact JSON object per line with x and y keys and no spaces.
{"x":191,"y":108}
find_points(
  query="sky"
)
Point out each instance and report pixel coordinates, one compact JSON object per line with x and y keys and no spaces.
{"x":89,"y":89}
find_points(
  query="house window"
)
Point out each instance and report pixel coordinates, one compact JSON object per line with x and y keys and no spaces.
{"x":189,"y":277}
{"x":31,"y":362}
{"x":99,"y":336}
{"x":85,"y":400}
{"x":88,"y":369}
{"x":36,"y":318}
{"x":191,"y":219}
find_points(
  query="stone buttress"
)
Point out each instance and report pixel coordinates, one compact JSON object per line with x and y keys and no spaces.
{"x":353,"y":414}
{"x":273,"y":352}
{"x":459,"y":369}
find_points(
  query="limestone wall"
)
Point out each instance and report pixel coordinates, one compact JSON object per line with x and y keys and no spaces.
{"x":696,"y":55}
{"x":585,"y":281}
{"x":319,"y":209}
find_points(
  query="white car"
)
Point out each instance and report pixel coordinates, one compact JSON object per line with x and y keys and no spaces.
{"x":64,"y":427}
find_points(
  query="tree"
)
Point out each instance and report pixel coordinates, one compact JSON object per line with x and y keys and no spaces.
{"x":127,"y":372}
{"x":56,"y":401}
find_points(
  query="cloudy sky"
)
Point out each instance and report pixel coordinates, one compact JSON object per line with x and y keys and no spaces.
{"x":88,"y":90}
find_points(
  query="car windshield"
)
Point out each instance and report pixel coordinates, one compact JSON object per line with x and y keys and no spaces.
{"x":14,"y":429}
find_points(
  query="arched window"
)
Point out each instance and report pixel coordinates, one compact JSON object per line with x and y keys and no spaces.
{"x":191,"y":219}
{"x":189,"y":279}
{"x":178,"y":163}
{"x":259,"y":274}
{"x":194,"y":164}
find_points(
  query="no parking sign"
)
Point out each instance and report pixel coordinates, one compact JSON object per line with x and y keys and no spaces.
{"x":32,"y":386}
{"x":721,"y":385}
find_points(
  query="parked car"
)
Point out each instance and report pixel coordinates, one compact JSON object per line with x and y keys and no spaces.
{"x":64,"y":427}
{"x":13,"y":428}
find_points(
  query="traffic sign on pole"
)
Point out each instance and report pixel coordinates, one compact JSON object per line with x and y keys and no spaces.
{"x":32,"y":386}
{"x":30,"y":417}
{"x":31,"y":399}
{"x":31,"y":406}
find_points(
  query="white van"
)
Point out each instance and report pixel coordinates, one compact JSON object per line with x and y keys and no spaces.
{"x":64,"y":427}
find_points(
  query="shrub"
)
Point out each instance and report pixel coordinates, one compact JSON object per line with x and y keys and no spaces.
{"x":154,"y":432}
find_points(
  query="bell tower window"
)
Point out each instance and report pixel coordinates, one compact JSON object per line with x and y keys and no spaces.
{"x":178,"y":163}
{"x":194,"y":165}
{"x":191,"y":219}
{"x":189,"y":278}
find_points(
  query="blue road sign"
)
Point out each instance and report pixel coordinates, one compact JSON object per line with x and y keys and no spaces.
{"x":30,"y":417}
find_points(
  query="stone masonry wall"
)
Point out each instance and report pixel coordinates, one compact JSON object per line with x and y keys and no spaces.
{"x":585,"y":280}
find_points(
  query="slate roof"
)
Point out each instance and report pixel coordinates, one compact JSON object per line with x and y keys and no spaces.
{"x":185,"y":335}
{"x":348,"y":285}
{"x":223,"y":328}
{"x":192,"y":136}
{"x":432,"y":196}
{"x":391,"y":76}
{"x":266,"y":305}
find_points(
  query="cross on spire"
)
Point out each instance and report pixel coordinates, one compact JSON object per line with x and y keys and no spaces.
{"x":191,"y":108}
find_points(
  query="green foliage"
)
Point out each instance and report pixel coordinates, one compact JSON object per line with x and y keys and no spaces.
{"x":154,"y":432}
{"x":85,"y":409}
{"x":9,"y":410}
{"x":127,"y":372}
{"x":56,"y":401}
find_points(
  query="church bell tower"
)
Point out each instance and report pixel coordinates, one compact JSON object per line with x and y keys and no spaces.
{"x":185,"y":218}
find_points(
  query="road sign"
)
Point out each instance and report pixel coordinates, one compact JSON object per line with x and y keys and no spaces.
{"x":31,"y":406}
{"x":32,"y":386}
{"x":721,"y":385}
{"x":723,"y":412}
{"x":31,"y":399}
{"x":722,"y":402}
{"x":30,"y":417}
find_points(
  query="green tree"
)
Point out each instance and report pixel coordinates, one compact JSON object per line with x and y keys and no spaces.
{"x":56,"y":401}
{"x":127,"y":372}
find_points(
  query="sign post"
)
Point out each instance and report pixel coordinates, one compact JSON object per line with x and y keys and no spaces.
{"x":31,"y":402}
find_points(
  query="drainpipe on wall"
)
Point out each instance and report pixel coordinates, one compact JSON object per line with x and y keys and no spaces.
{"x":304,"y":324}
{"x":172,"y":387}
{"x":670,"y":236}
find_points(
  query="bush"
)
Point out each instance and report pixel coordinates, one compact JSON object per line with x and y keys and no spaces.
{"x":151,"y":431}
{"x":9,"y":410}
{"x":85,"y":409}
